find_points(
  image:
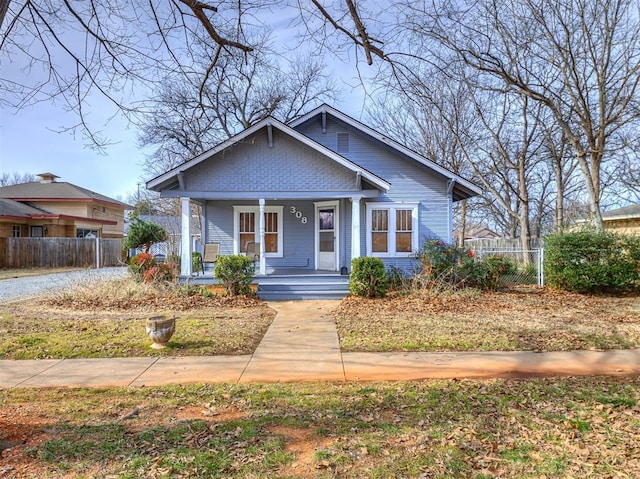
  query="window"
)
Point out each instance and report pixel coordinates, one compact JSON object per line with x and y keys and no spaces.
{"x":247,"y":229}
{"x":37,"y":231}
{"x":392,"y":229}
{"x":17,"y":231}
{"x":86,"y":233}
{"x":343,"y":143}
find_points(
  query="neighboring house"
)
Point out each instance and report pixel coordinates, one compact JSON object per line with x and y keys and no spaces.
{"x":314,"y":194}
{"x":50,"y":208}
{"x":623,"y":220}
{"x":477,"y":232}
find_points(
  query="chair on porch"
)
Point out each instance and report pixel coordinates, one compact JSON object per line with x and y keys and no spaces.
{"x":211,"y":253}
{"x":253,"y":251}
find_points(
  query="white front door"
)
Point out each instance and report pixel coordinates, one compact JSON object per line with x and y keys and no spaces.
{"x":327,"y":236}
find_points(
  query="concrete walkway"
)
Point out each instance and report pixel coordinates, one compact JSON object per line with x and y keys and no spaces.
{"x":302,"y":345}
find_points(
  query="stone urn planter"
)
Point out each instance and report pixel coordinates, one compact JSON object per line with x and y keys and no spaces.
{"x":160,"y":329}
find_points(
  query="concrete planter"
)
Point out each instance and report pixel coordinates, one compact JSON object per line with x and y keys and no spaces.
{"x":160,"y":329}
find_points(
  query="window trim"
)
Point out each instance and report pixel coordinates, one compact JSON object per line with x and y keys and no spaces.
{"x":237,"y":209}
{"x":391,"y":232}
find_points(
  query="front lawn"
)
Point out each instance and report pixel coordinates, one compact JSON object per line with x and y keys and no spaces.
{"x":105,"y":320}
{"x":521,"y":319}
{"x":560,"y":428}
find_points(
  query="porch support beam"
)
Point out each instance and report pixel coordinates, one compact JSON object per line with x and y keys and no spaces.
{"x":185,"y":241}
{"x":355,"y":227}
{"x":263,"y":264}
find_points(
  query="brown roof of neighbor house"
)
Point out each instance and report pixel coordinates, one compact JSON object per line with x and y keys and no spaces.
{"x":17,"y":209}
{"x":627,"y":212}
{"x":54,"y":190}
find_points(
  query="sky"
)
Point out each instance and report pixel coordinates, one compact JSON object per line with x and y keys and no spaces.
{"x":31,"y":141}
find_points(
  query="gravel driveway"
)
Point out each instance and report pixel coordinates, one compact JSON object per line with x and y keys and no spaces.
{"x":30,"y":286}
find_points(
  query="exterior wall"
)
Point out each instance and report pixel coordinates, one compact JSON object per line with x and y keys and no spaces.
{"x":298,"y":237}
{"x":410,"y":181}
{"x":630,"y":226}
{"x":288,"y":166}
{"x":6,"y":230}
{"x":88,"y":210}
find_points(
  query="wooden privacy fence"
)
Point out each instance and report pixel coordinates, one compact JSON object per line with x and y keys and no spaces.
{"x":60,"y":252}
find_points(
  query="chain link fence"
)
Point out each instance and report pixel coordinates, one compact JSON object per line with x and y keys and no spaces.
{"x":525,"y":266}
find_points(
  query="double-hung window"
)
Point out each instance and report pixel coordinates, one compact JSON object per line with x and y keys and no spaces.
{"x":247,"y":229}
{"x":392,"y":229}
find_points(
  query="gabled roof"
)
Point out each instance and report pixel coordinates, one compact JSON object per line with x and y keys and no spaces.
{"x":625,"y":213}
{"x":462,"y":188}
{"x":269,"y":122}
{"x":54,"y":191}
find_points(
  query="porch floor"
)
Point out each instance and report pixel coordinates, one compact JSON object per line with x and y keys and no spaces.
{"x":290,"y":283}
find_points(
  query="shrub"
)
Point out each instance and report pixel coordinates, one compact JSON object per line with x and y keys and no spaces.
{"x":589,"y":261}
{"x":143,"y":234}
{"x":141,"y":263}
{"x":368,"y":277}
{"x":446,"y":263}
{"x":235,"y":272}
{"x":160,"y":273}
{"x":196,"y":261}
{"x":494,"y":267}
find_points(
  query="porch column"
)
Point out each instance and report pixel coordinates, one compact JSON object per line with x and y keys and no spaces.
{"x":263,"y":265}
{"x":185,"y":240}
{"x":355,"y":227}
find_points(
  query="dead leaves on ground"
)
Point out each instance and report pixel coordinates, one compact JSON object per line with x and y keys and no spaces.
{"x":537,"y":319}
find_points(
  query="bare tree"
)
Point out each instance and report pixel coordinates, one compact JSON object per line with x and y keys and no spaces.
{"x":581,"y":60}
{"x":7,"y":179}
{"x":191,"y":117}
{"x":72,"y":50}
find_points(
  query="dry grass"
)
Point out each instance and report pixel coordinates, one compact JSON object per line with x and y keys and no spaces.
{"x":530,"y":319}
{"x":107,"y":319}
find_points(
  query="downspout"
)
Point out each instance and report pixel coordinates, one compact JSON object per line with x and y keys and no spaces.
{"x":450,"y":187}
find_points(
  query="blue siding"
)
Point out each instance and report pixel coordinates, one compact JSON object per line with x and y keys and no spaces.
{"x":410,"y":181}
{"x":298,"y":237}
{"x":254,"y":166}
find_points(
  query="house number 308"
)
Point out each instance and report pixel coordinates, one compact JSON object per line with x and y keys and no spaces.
{"x":294,"y":211}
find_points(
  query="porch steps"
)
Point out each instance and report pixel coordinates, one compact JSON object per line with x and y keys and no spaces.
{"x":274,"y":288}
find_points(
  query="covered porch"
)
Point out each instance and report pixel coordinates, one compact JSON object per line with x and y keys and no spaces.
{"x":288,"y":236}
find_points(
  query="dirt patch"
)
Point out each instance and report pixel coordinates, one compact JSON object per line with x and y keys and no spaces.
{"x":303,"y":444}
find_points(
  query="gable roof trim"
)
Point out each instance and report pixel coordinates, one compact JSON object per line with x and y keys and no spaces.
{"x":324,"y":108}
{"x":271,"y":122}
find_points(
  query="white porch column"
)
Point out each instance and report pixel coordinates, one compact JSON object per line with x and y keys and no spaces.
{"x":263,"y":264}
{"x":355,"y":227}
{"x":185,"y":241}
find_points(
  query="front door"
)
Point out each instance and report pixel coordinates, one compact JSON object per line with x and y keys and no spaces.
{"x":327,"y":236}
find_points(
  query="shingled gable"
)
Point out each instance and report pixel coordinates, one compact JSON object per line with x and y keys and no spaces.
{"x":173,"y":178}
{"x":462,"y":188}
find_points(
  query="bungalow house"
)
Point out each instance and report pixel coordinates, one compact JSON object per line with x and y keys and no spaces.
{"x":50,"y":208}
{"x":313,"y":194}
